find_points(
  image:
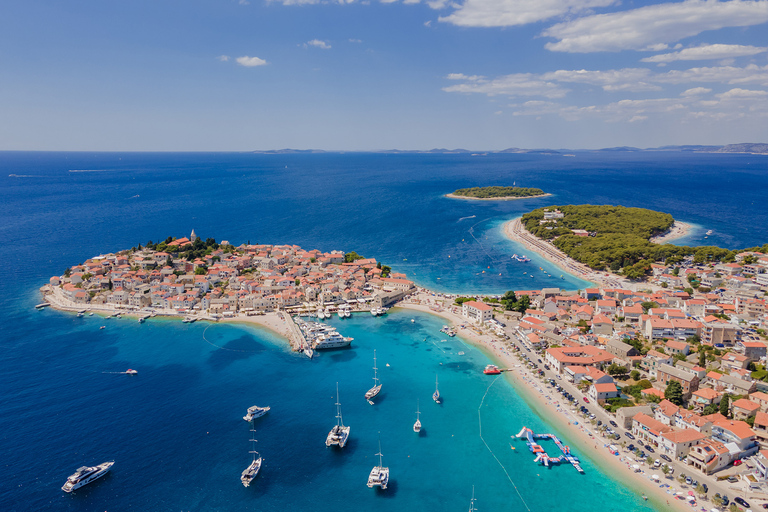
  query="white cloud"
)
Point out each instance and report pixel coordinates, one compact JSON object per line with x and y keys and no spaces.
{"x":521,"y":84}
{"x":628,"y":79}
{"x":244,"y":2}
{"x":317,"y":43}
{"x":707,"y":52}
{"x":355,"y":40}
{"x":742,"y":94}
{"x":507,"y":13}
{"x":462,"y":76}
{"x":718,"y":74}
{"x":223,"y":58}
{"x":250,"y":62}
{"x":696,"y":91}
{"x":647,"y":27}
{"x":295,"y":2}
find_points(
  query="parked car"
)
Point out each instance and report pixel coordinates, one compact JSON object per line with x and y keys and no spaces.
{"x":631,"y":447}
{"x":732,"y":479}
{"x":741,"y":501}
{"x":586,"y":399}
{"x":657,"y":463}
{"x":666,"y":458}
{"x":613,"y":423}
{"x":737,"y":462}
{"x":649,"y":448}
{"x":688,"y":480}
{"x":629,"y":436}
{"x":617,"y":436}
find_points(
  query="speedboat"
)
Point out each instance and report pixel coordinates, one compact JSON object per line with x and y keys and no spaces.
{"x":130,"y":371}
{"x":86,"y":475}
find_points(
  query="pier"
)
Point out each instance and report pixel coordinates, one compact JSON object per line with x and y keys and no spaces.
{"x":541,"y":454}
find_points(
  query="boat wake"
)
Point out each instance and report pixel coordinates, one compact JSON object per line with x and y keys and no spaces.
{"x":480,"y":422}
{"x":465,"y":218}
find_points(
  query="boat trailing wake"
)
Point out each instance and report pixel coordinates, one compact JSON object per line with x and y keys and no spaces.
{"x":465,"y":218}
{"x":480,"y":422}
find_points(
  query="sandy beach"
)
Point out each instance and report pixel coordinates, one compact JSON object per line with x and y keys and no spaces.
{"x":554,"y":410}
{"x":678,"y":230}
{"x":509,"y":198}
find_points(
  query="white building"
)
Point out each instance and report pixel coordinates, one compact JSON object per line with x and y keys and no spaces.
{"x":477,"y":312}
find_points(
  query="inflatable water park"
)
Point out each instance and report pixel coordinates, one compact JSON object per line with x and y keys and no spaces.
{"x":541,"y":454}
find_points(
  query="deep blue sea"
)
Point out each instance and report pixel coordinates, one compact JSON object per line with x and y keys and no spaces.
{"x":176,"y":429}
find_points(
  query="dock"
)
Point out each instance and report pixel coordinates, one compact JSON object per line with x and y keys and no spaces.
{"x":541,"y":454}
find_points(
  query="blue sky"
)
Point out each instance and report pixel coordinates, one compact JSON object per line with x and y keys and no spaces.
{"x":366,"y":75}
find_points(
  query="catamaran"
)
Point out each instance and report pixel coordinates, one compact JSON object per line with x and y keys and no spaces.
{"x":376,"y":384}
{"x":417,"y":425}
{"x":252,"y":470}
{"x":339,"y":434}
{"x":436,"y":394}
{"x":379,"y":474}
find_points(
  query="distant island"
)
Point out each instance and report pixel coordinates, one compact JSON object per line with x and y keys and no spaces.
{"x":497,"y":193}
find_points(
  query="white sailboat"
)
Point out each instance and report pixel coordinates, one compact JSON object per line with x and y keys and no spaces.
{"x":472,"y":502}
{"x":436,"y":394}
{"x":339,"y":434}
{"x":252,"y":470}
{"x":379,"y":475}
{"x":417,"y":425}
{"x":376,"y":384}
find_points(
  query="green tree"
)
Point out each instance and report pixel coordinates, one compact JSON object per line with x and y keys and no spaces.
{"x":297,"y":281}
{"x":201,"y":270}
{"x":352,"y":256}
{"x":702,"y":359}
{"x":665,"y":469}
{"x":523,"y":304}
{"x":700,"y":490}
{"x":634,"y":374}
{"x":649,"y":305}
{"x":710,"y":409}
{"x":674,"y":393}
{"x":616,"y":369}
{"x":717,"y":500}
{"x":725,"y":404}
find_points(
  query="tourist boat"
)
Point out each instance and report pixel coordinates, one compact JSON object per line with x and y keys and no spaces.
{"x":376,"y":384}
{"x":436,"y":394}
{"x":709,"y":232}
{"x":417,"y":425}
{"x":339,"y":433}
{"x":252,"y":470}
{"x":255,"y":412}
{"x":130,"y":371}
{"x":379,"y":474}
{"x":331,"y":339}
{"x":491,"y":369}
{"x":86,"y":475}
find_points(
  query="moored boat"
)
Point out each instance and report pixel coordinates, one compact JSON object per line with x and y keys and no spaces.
{"x":255,"y":412}
{"x":417,"y":425}
{"x":376,"y":384}
{"x":436,"y":394}
{"x":379,"y":475}
{"x":249,"y":473}
{"x":86,"y":475}
{"x":491,"y":369}
{"x":339,"y":433}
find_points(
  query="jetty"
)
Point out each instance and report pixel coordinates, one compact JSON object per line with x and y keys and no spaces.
{"x":541,"y":454}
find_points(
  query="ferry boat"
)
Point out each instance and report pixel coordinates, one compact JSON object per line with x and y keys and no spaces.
{"x":491,"y":369}
{"x":255,"y":412}
{"x":379,"y":475}
{"x":86,"y":475}
{"x":417,"y":425}
{"x":339,"y":433}
{"x":249,"y":473}
{"x":376,"y":384}
{"x":436,"y":394}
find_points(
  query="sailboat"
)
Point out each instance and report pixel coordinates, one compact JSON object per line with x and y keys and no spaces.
{"x":251,"y":471}
{"x":472,"y":502}
{"x":379,"y":474}
{"x":339,"y":433}
{"x":376,"y":385}
{"x":417,"y":425}
{"x":436,"y":394}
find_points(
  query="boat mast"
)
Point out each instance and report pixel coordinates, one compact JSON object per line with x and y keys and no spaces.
{"x":417,"y":409}
{"x":340,"y":421}
{"x":472,"y":503}
{"x":379,"y":454}
{"x":253,"y":440}
{"x":375,"y":375}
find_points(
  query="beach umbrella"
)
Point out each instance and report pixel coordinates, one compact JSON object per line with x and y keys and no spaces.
{"x":655,"y":477}
{"x":691,"y":498}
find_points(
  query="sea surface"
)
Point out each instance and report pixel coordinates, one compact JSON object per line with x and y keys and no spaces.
{"x":176,"y":431}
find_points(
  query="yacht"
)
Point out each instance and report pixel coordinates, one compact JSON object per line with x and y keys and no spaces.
{"x":375,"y":311}
{"x":417,"y":425}
{"x":379,"y":474}
{"x":339,"y":433}
{"x":255,"y":412}
{"x":436,"y":394}
{"x":376,"y":384}
{"x":252,"y":470}
{"x":86,"y":475}
{"x":331,"y":339}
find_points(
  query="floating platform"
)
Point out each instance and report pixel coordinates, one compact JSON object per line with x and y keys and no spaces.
{"x":541,"y":454}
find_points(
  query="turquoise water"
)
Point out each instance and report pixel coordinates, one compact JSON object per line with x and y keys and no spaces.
{"x":175,"y":430}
